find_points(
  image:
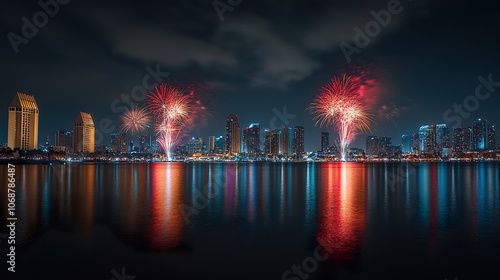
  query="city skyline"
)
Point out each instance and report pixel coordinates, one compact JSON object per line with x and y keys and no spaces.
{"x":237,"y":139}
{"x":242,"y":140}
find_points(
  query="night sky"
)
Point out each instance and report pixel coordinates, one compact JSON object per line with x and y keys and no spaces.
{"x":262,"y":56}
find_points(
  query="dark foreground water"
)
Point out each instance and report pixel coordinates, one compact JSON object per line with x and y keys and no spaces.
{"x":255,"y":221}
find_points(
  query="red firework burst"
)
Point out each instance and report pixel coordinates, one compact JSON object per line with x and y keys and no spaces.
{"x":340,"y":105}
{"x":171,"y":109}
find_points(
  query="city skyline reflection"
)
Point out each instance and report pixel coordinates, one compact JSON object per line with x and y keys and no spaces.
{"x":350,"y":208}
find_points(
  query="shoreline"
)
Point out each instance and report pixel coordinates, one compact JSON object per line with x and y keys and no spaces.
{"x":391,"y":161}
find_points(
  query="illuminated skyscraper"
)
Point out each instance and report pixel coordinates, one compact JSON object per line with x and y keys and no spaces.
{"x":480,"y":135}
{"x":298,"y":141}
{"x":433,"y":139}
{"x":83,"y":133}
{"x":271,"y":142}
{"x":491,"y":138}
{"x":251,"y":139}
{"x":462,"y":139}
{"x":64,"y":138}
{"x":285,"y":141}
{"x":23,"y":122}
{"x":372,"y":146}
{"x":219,"y":145}
{"x":211,"y":144}
{"x":385,"y":148}
{"x":407,"y":144}
{"x":427,"y":138}
{"x":145,"y":143}
{"x":195,"y":145}
{"x":325,"y":142}
{"x":442,"y":137}
{"x":119,"y":143}
{"x":232,"y":135}
{"x":416,"y":143}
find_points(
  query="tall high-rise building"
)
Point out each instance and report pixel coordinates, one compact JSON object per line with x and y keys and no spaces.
{"x":195,"y":145}
{"x":492,"y":138}
{"x":211,"y":144}
{"x":416,"y":143}
{"x":325,"y":142}
{"x":23,"y":122}
{"x":434,"y":138}
{"x":145,"y":143}
{"x":285,"y":141}
{"x":267,"y":141}
{"x":462,"y":139}
{"x":119,"y":143}
{"x":271,"y":142}
{"x":442,"y":137}
{"x":64,"y":138}
{"x":232,"y":135}
{"x":251,"y":139}
{"x":386,"y":148}
{"x":427,"y":137}
{"x":219,"y":145}
{"x":83,"y":133}
{"x":480,"y":135}
{"x":379,"y":146}
{"x":406,"y":144}
{"x":298,"y":141}
{"x":290,"y":135}
{"x":244,"y":135}
{"x":372,"y":146}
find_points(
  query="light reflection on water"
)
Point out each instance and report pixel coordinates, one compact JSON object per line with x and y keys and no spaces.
{"x":346,"y":205}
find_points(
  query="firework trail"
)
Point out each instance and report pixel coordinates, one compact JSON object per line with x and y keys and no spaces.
{"x":171,"y":109}
{"x":340,"y":105}
{"x":135,"y":120}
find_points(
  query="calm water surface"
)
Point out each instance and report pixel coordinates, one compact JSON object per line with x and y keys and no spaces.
{"x":256,"y":220}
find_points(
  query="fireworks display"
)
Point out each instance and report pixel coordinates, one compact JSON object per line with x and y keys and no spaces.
{"x":135,"y":120}
{"x":339,"y":105}
{"x":171,"y":109}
